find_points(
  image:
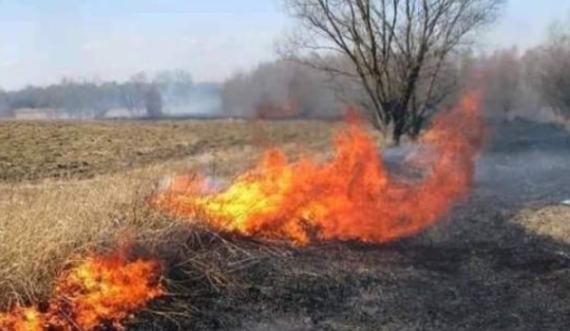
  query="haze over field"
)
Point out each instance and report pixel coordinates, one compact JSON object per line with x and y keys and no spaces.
{"x":66,"y":59}
{"x":43,"y":41}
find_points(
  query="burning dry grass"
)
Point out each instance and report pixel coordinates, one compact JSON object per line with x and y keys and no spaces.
{"x":48,"y":228}
{"x":45,"y":224}
{"x":99,"y":290}
{"x":350,"y":197}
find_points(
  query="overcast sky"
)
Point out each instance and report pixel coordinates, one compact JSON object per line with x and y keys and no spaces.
{"x":44,"y":40}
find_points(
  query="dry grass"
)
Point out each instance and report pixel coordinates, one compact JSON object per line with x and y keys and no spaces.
{"x":45,"y":223}
{"x":42,"y":226}
{"x":552,"y":222}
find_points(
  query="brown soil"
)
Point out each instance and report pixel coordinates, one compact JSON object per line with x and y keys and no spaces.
{"x":70,"y":150}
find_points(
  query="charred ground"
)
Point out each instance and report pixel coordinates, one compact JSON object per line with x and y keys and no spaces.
{"x":478,"y":270}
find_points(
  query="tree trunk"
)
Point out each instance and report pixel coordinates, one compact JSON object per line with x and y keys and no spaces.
{"x":399,"y":131}
{"x":398,"y":117}
{"x":416,"y":127}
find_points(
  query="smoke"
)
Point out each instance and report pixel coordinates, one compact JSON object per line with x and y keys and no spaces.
{"x":280,"y":90}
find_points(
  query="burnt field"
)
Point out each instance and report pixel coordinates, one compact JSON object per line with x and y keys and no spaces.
{"x":499,"y":261}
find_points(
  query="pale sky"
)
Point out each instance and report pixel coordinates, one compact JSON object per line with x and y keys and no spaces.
{"x":44,"y":40}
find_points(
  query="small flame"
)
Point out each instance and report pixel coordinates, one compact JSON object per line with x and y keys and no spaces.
{"x":100,"y":291}
{"x":22,"y":319}
{"x":352,"y":197}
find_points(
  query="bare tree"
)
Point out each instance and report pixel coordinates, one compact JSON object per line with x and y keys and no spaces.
{"x":396,"y":48}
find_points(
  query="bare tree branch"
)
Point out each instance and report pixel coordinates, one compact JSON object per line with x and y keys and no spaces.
{"x":396,"y":48}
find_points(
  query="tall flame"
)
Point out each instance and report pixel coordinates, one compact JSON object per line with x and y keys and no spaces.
{"x":352,"y":197}
{"x":100,"y":291}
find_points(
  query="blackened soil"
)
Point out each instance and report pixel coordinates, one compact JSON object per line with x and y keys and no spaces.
{"x":475,"y":271}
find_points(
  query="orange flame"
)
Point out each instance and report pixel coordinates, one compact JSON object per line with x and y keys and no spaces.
{"x":22,"y":319}
{"x":100,"y":291}
{"x":352,"y":197}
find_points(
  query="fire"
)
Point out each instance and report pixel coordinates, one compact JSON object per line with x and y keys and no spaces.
{"x":22,"y":319}
{"x":100,"y":291}
{"x":351,"y":197}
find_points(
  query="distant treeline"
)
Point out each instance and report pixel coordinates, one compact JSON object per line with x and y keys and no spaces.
{"x":533,"y":83}
{"x":166,"y":93}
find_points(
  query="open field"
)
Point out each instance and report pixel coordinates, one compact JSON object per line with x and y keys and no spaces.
{"x":499,"y":262}
{"x":38,"y":150}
